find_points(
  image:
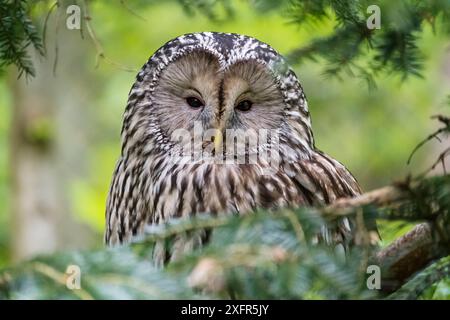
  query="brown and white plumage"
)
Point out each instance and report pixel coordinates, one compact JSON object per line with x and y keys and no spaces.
{"x":220,"y":70}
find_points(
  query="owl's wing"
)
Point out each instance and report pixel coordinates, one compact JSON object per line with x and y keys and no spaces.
{"x":328,"y":180}
{"x":112,"y":215}
{"x":126,"y":207}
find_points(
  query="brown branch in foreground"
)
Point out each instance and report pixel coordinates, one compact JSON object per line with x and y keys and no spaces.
{"x":378,"y":197}
{"x":409,"y":253}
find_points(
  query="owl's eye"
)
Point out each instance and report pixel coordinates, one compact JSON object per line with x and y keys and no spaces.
{"x":244,"y":105}
{"x":194,"y":102}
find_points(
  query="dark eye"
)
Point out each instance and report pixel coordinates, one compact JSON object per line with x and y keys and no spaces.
{"x":194,"y":102}
{"x":244,"y":105}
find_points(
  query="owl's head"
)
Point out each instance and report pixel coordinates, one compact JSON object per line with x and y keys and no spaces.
{"x":207,"y":89}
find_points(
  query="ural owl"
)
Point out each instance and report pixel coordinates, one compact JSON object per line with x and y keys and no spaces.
{"x":238,"y":87}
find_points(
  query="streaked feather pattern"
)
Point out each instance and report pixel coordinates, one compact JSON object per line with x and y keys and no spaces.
{"x":148,"y":187}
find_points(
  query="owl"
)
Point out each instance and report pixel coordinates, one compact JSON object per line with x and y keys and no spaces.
{"x":217,"y":123}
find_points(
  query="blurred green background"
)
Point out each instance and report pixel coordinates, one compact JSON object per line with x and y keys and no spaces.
{"x":371,"y":131}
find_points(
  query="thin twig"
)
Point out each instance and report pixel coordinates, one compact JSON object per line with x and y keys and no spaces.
{"x":60,"y":278}
{"x":55,"y":61}
{"x":47,"y":17}
{"x":81,"y":27}
{"x":98,"y":45}
{"x":430,"y":137}
{"x":435,"y":135}
{"x":441,"y":159}
{"x":134,"y":13}
{"x":296,"y":225}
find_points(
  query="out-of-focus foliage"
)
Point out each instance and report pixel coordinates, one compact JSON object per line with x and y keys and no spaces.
{"x":354,"y":48}
{"x":259,"y":256}
{"x":351,"y":47}
{"x":420,"y":284}
{"x":251,"y":265}
{"x":107,"y":274}
{"x":17,"y":32}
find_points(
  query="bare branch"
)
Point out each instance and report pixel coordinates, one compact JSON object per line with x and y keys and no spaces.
{"x":134,"y":13}
{"x":435,"y":135}
{"x":409,"y":254}
{"x":98,"y":45}
{"x":47,"y":17}
{"x":378,"y":197}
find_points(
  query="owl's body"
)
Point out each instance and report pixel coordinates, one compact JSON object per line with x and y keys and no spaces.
{"x":229,"y":83}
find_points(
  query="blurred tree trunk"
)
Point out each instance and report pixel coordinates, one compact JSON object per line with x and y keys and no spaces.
{"x":47,"y":145}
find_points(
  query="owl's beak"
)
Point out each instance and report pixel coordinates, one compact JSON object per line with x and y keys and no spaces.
{"x":218,"y":139}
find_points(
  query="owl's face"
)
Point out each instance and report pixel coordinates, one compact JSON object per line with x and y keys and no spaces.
{"x":216,"y":92}
{"x":196,"y":95}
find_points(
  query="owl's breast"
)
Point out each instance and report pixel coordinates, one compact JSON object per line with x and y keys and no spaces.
{"x":185,"y":190}
{"x":159,"y":189}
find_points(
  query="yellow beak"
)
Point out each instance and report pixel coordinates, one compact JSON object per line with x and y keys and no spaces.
{"x":218,"y":139}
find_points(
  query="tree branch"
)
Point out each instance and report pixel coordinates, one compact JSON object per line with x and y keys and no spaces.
{"x":409,"y":253}
{"x":378,"y":197}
